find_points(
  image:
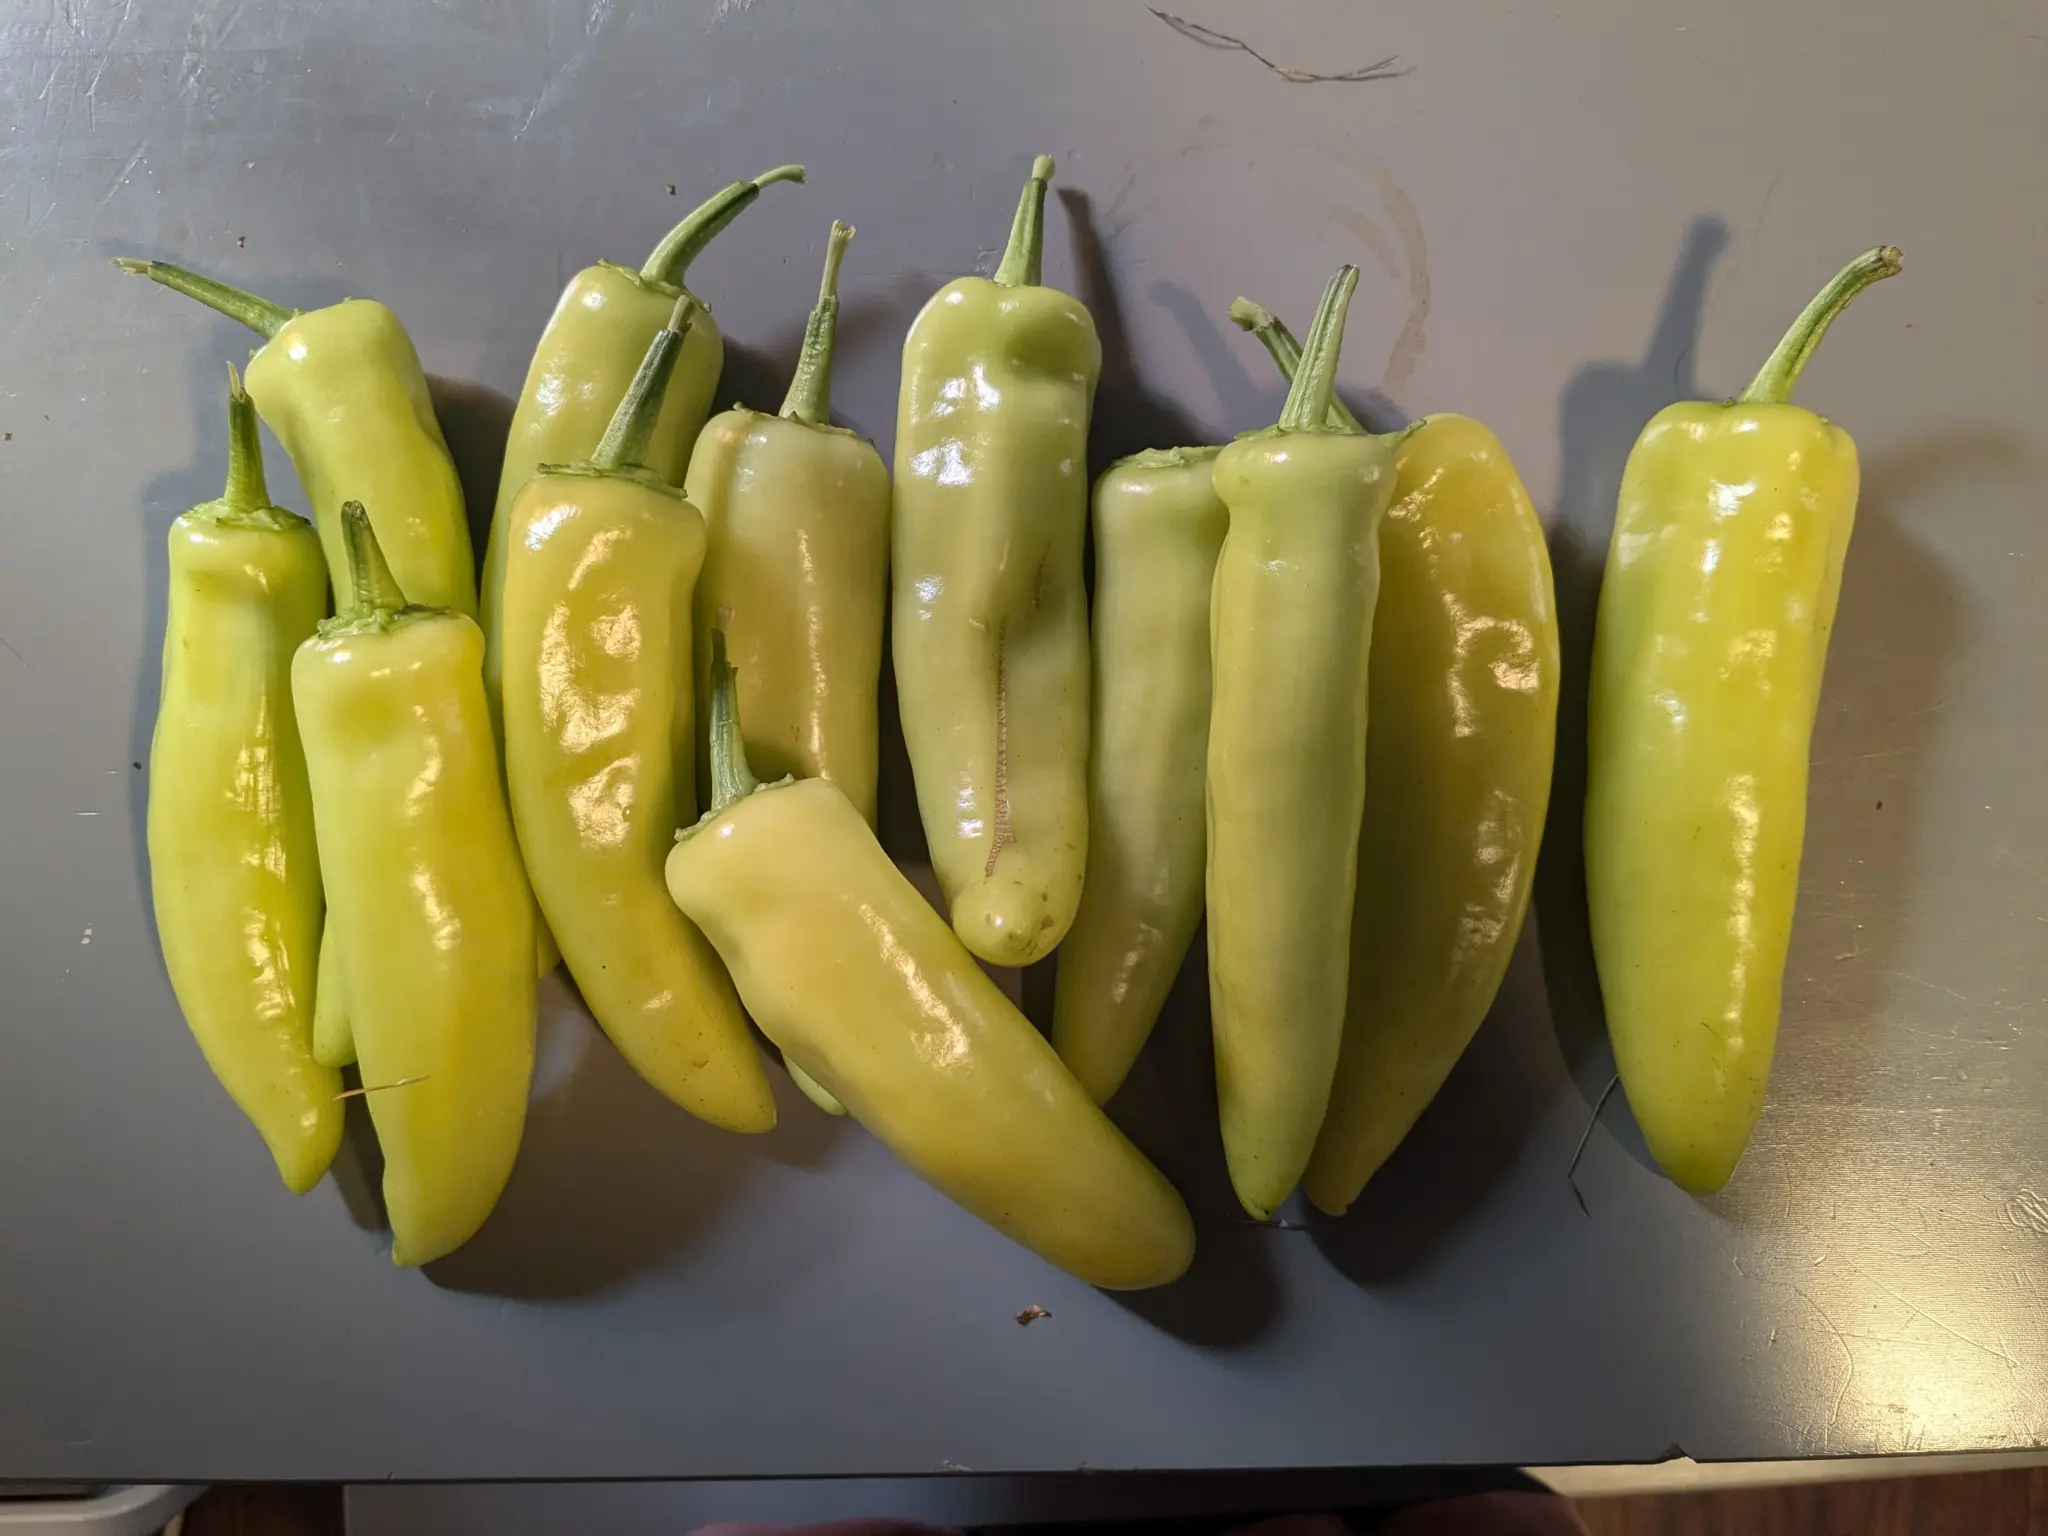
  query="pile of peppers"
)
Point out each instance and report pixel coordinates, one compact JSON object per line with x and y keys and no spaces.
{"x":1314,"y":700}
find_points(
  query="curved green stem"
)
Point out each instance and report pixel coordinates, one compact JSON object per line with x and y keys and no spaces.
{"x":1285,"y":351}
{"x":1774,"y":382}
{"x":810,"y":388}
{"x":372,"y":587}
{"x":246,"y":490}
{"x":1024,"y":256}
{"x":259,"y":314}
{"x":731,"y":779}
{"x":671,"y":259}
{"x":1315,"y":383}
{"x":632,"y":425}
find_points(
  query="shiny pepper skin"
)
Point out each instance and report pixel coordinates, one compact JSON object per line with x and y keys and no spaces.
{"x":1721,"y":588}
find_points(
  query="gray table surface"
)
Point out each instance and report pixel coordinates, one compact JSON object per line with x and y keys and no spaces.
{"x":1567,"y":217}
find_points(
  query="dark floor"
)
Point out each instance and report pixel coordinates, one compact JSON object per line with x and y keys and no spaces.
{"x":1975,"y":1504}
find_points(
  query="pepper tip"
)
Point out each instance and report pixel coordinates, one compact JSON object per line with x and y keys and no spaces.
{"x":1041,"y":168}
{"x":134,"y":266}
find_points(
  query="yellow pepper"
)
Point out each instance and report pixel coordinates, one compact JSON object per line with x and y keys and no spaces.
{"x":1463,"y":705}
{"x":233,"y":867}
{"x":343,"y":389}
{"x":586,"y":360}
{"x":863,"y":986}
{"x":990,"y":618}
{"x":1721,"y":585}
{"x":428,"y":900}
{"x":1291,"y":635}
{"x":796,"y":570}
{"x":1158,"y":527}
{"x":600,"y":561}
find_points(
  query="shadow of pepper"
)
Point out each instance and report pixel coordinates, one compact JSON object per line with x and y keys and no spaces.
{"x":612,"y":1179}
{"x":476,"y":420}
{"x":1461,"y":1146}
{"x":1604,"y":409}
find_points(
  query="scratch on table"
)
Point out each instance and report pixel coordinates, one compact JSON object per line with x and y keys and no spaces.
{"x":10,"y":650}
{"x":1848,"y":1354}
{"x":127,"y":169}
{"x":1209,"y":37}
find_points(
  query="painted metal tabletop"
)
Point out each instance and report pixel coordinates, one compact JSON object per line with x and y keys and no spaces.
{"x":1566,"y":220}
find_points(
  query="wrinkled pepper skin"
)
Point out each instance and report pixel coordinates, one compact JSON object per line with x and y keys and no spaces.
{"x":586,"y":358}
{"x":1291,"y":619}
{"x":343,"y":389}
{"x":1158,"y":527}
{"x":599,"y":725}
{"x":796,"y":571}
{"x":429,"y":902}
{"x":1463,"y":704}
{"x":1720,"y":593}
{"x":990,"y":619}
{"x":847,"y":968}
{"x":234,"y":869}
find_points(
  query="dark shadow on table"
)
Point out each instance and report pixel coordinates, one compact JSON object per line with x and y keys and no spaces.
{"x":612,"y":1179}
{"x":1463,"y":1144}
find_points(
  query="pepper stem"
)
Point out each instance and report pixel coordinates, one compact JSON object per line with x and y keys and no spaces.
{"x":731,"y":779}
{"x":1774,"y":382}
{"x":1024,"y":256}
{"x":1315,"y":381}
{"x":810,"y":388}
{"x":372,"y":587}
{"x":260,"y":315}
{"x":632,"y":424}
{"x":1285,"y":351}
{"x":682,"y":245}
{"x":246,"y":489}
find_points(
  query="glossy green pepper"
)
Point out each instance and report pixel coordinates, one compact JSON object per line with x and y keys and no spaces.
{"x":601,"y":557}
{"x":587,"y":358}
{"x":1721,"y":586}
{"x":847,"y":968}
{"x":796,"y":570}
{"x":1457,"y":767}
{"x":1291,"y":635}
{"x":1158,"y":526}
{"x":343,"y":389}
{"x":426,"y":893}
{"x":990,"y":618}
{"x":233,"y":868}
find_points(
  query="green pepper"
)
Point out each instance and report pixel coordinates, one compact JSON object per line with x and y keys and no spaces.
{"x":233,"y":867}
{"x":990,"y":619}
{"x":862,"y":985}
{"x":1721,"y":585}
{"x":1158,"y":527}
{"x":343,"y":389}
{"x":587,"y":358}
{"x":797,"y":568}
{"x":598,"y":719}
{"x":1463,"y":705}
{"x":426,"y":893}
{"x":1291,"y":639}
